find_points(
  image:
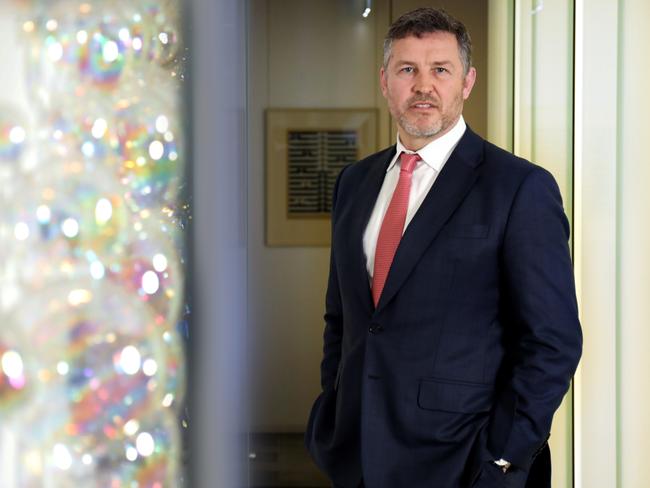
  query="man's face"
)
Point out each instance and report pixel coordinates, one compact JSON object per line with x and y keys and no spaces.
{"x":425,"y":86}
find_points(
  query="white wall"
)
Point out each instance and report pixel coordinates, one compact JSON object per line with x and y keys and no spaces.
{"x":595,"y":242}
{"x":634,"y":240}
{"x":612,"y":215}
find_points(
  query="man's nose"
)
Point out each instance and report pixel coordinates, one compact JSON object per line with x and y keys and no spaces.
{"x":424,"y":83}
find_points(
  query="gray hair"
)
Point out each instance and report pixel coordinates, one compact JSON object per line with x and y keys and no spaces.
{"x":426,"y":20}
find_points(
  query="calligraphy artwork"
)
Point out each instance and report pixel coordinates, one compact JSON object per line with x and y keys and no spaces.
{"x":306,"y":150}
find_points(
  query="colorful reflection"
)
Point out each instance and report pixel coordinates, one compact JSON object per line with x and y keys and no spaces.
{"x":92,"y":366}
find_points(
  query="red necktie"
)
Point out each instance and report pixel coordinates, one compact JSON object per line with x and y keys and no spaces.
{"x":392,"y":226}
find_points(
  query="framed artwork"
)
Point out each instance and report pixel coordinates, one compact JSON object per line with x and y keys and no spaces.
{"x":305,"y":151}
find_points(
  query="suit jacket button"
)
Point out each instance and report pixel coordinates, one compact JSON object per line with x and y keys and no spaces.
{"x":375,"y":328}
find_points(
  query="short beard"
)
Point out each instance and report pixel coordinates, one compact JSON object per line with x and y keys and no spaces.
{"x":442,"y":124}
{"x":418,"y":132}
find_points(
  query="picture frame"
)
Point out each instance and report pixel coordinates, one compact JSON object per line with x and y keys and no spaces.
{"x":305,"y":151}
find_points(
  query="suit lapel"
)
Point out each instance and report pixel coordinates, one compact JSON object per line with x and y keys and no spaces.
{"x":450,"y":188}
{"x":367,"y":196}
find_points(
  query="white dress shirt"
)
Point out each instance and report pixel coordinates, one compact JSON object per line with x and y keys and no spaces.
{"x":434,"y":156}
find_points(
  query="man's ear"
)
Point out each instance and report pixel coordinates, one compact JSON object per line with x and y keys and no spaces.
{"x":383,"y":82}
{"x":468,"y":82}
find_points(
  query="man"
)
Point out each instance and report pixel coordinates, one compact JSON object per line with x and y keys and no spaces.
{"x":451,"y":330}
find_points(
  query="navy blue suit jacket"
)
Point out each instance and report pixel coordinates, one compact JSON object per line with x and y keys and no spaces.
{"x":473,"y":343}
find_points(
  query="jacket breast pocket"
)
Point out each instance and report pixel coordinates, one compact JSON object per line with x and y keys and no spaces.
{"x":454,"y":396}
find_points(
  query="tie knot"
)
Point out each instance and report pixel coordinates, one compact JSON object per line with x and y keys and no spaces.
{"x":408,"y":162}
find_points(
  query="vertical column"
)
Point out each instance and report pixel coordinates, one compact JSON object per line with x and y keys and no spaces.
{"x":500,"y":76}
{"x":633,"y":243}
{"x":218,"y":386}
{"x":595,"y":241}
{"x":386,"y":128}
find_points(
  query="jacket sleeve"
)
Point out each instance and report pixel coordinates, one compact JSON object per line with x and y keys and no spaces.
{"x":543,"y":327}
{"x":333,"y":333}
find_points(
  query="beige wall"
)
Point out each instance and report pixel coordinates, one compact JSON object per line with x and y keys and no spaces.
{"x":316,"y":54}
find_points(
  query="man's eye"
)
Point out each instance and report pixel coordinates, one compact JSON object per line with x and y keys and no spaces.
{"x":407,"y":69}
{"x":440,"y":69}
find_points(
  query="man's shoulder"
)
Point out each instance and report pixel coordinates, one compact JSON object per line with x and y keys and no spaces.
{"x":500,"y":167}
{"x":496,"y":155}
{"x":503,"y":163}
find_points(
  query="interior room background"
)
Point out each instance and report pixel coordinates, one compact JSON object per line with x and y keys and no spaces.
{"x":561,"y":83}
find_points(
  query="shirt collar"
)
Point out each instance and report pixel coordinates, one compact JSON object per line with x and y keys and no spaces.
{"x":436,"y":153}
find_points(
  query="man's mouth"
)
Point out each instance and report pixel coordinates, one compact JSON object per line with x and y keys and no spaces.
{"x":422,"y":105}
